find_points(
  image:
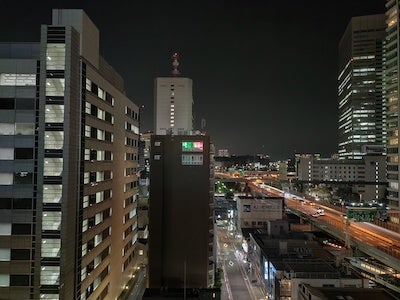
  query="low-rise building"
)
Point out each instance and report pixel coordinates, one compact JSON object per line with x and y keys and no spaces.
{"x":306,"y":292}
{"x":256,"y":212}
{"x":367,"y":176}
{"x":281,"y":265}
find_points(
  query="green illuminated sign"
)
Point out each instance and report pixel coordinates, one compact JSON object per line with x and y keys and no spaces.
{"x":192,"y":146}
{"x":361,"y":215}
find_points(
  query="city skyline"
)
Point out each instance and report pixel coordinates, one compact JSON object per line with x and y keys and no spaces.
{"x":264,"y":74}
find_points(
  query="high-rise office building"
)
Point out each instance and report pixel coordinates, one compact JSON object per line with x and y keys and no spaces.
{"x":68,"y":160}
{"x":361,"y":106}
{"x":173,"y":103}
{"x":391,"y":88}
{"x":181,"y":240}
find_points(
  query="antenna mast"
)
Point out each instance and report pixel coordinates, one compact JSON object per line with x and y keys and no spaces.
{"x":175,"y":64}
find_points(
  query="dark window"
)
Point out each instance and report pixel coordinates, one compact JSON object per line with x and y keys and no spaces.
{"x":90,"y":244}
{"x":104,"y":235}
{"x":22,"y":203}
{"x":94,"y":88}
{"x":108,"y":117}
{"x":93,"y":154}
{"x":107,"y":155}
{"x":107,"y":175}
{"x":25,"y":103}
{"x":93,"y":132}
{"x":5,"y":203}
{"x":108,"y":98}
{"x":20,"y":254}
{"x":23,"y":153}
{"x":108,"y":136}
{"x":6,"y":103}
{"x":106,"y":213}
{"x":22,"y":178}
{"x":92,"y":176}
{"x":90,"y":223}
{"x":93,"y":110}
{"x":21,"y":229}
{"x":92,"y":199}
{"x":19,"y":280}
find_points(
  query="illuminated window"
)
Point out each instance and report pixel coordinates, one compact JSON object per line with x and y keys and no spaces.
{"x":5,"y":229}
{"x":55,"y":86}
{"x":4,"y":279}
{"x":24,"y":128}
{"x":55,"y":54}
{"x":53,"y":166}
{"x":7,"y":129}
{"x":5,"y":254}
{"x":50,"y":275}
{"x":54,"y":113}
{"x":51,"y":220}
{"x":6,"y":153}
{"x":50,"y":296}
{"x":52,"y":193}
{"x":53,"y":140}
{"x":51,"y":247}
{"x":17,"y":79}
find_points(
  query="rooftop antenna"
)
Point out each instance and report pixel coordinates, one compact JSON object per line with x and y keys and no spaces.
{"x":175,"y":64}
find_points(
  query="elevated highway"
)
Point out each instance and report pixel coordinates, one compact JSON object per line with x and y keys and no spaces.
{"x":375,"y":241}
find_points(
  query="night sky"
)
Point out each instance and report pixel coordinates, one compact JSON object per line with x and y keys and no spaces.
{"x":264,"y":72}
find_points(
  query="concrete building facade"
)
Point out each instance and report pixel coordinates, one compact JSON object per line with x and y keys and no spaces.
{"x":366,"y":176}
{"x":69,"y":138}
{"x":173,"y":105}
{"x":256,"y":212}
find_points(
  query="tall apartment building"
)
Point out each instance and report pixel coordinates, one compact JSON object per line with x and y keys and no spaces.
{"x":68,"y":160}
{"x":173,"y":104}
{"x":361,"y":108}
{"x":391,"y":87}
{"x":181,"y":239}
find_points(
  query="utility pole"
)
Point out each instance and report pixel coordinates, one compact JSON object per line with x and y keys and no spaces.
{"x":184,"y":280}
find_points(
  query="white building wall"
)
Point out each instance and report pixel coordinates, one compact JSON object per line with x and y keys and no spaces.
{"x":254,"y":213}
{"x":173,"y":104}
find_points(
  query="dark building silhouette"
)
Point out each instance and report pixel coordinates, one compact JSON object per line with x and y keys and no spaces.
{"x":181,"y":241}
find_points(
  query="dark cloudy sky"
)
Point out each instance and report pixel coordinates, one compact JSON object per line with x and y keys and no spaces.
{"x":264,"y":72}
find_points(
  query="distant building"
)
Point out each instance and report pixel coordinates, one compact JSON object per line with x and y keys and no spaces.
{"x":223,"y":153}
{"x":173,"y":104}
{"x":287,"y":170}
{"x":68,"y":159}
{"x":360,"y":94}
{"x":144,"y":155}
{"x":256,"y":212}
{"x":346,"y":291}
{"x":180,"y":212}
{"x":366,"y":176}
{"x":391,"y":87}
{"x":281,"y":265}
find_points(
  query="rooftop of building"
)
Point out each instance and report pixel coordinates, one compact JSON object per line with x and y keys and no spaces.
{"x":296,"y":253}
{"x":178,"y":293}
{"x":350,"y":293}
